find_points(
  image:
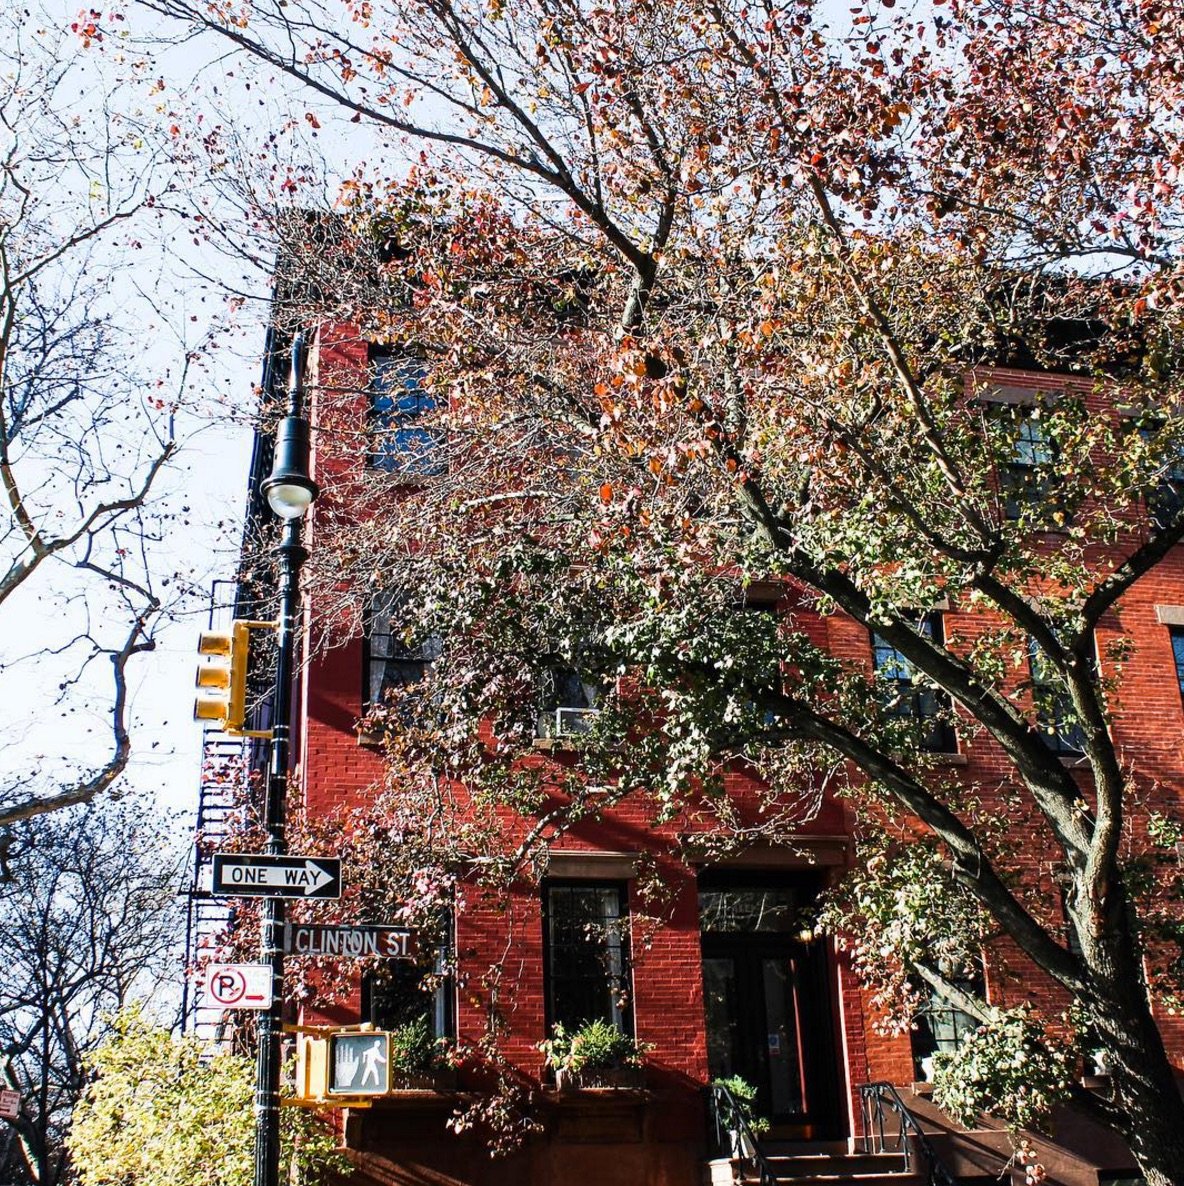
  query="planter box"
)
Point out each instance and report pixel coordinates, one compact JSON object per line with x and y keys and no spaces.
{"x":443,"y":1079}
{"x":622,"y":1078}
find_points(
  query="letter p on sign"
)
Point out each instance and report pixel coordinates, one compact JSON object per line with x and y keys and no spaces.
{"x":238,"y":986}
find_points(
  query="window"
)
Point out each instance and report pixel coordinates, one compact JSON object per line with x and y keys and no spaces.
{"x":760,"y":599}
{"x":399,"y":405}
{"x":1054,"y":708}
{"x":1023,"y":481}
{"x":394,"y":659}
{"x":403,"y":992}
{"x":1072,"y":942}
{"x":906,"y":698}
{"x":749,"y":910}
{"x":940,"y":1027}
{"x":586,"y":948}
{"x":1165,"y":501}
{"x":568,"y":703}
{"x":1177,"y":636}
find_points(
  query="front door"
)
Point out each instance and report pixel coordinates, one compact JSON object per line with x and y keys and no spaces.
{"x":768,"y":1006}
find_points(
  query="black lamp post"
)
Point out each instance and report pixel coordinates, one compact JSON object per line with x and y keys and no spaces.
{"x":290,"y":492}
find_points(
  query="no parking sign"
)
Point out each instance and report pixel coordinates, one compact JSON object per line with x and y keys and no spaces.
{"x":239,"y":986}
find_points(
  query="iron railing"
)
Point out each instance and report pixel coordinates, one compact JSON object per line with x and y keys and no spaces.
{"x":889,"y":1127}
{"x":733,"y":1136}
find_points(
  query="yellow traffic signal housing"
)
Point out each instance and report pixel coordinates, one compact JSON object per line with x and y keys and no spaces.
{"x":341,"y":1066}
{"x":312,"y":1069}
{"x":222,"y":678}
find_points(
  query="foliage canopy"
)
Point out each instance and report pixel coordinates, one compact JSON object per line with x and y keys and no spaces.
{"x":714,"y":295}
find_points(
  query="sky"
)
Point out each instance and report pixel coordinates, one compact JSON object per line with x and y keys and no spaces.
{"x":166,"y":299}
{"x":196,"y":288}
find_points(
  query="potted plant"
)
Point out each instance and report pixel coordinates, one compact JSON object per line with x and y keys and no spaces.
{"x":420,"y":1060}
{"x":739,"y":1112}
{"x":595,"y":1055}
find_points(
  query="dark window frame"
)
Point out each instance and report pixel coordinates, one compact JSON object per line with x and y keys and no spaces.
{"x":409,"y":663}
{"x":1064,"y":740}
{"x":620,"y":994}
{"x":912,"y":698}
{"x":400,"y":444}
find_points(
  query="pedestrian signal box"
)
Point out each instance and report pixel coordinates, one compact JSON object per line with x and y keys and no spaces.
{"x":360,"y":1064}
{"x":349,"y":1065}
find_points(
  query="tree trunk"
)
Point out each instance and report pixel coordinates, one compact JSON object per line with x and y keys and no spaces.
{"x":1155,"y":1114}
{"x":1146,"y":1091}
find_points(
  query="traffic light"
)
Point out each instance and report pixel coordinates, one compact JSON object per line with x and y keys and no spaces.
{"x":222,"y":678}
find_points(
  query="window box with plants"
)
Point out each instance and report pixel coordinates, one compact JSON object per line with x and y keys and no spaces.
{"x":420,"y":1061}
{"x":596,"y":1055}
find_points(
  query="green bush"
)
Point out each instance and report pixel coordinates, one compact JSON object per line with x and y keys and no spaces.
{"x":162,"y":1110}
{"x":744,"y":1094}
{"x":596,"y":1046}
{"x":415,"y":1049}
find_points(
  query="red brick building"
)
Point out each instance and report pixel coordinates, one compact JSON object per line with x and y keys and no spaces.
{"x":731,"y":981}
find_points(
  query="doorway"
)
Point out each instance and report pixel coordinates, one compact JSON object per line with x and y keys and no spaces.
{"x":768,"y":1000}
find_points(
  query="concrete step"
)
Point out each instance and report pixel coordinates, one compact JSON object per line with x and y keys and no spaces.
{"x":912,"y":1178}
{"x":813,"y":1164}
{"x":791,"y":1148}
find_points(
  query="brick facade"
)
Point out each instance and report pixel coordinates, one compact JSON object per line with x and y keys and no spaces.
{"x":658,"y":1139}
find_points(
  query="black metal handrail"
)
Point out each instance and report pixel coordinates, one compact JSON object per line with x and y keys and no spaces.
{"x":880,"y":1102}
{"x":733,"y":1136}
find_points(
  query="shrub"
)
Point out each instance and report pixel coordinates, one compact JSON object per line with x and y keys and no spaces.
{"x":597,"y":1045}
{"x":744,"y":1095}
{"x":415,"y":1049}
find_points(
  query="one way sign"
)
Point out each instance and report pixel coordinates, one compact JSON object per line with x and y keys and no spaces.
{"x":254,"y":875}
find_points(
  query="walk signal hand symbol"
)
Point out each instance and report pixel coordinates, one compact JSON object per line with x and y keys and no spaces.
{"x":361,"y":1063}
{"x":347,"y":1065}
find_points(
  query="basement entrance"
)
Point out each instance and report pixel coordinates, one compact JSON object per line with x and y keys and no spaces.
{"x":767,"y":991}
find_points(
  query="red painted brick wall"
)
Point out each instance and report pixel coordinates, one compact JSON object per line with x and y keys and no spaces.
{"x":335,"y":770}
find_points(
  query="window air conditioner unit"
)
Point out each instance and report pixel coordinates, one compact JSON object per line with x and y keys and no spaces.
{"x":574,"y":722}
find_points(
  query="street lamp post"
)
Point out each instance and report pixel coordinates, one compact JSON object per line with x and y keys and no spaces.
{"x":290,"y":491}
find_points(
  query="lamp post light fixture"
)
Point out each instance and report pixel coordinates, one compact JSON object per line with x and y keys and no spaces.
{"x":289,"y":491}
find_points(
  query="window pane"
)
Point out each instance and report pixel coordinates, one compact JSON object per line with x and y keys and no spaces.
{"x":1030,"y":448}
{"x":394,"y":659}
{"x":730,"y":911}
{"x":587,"y":956}
{"x":1177,"y":635}
{"x":1031,"y":443}
{"x":905,"y":699}
{"x":940,"y":1026}
{"x":1165,"y":501}
{"x":403,"y":991}
{"x":398,"y":400}
{"x":1055,"y":717}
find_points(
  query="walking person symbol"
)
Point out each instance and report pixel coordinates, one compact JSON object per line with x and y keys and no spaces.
{"x":373,"y":1058}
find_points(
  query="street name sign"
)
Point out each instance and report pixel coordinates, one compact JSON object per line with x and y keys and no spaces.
{"x":10,"y":1104}
{"x":239,"y":986}
{"x":360,"y":1064}
{"x":256,"y":875}
{"x":350,"y":940}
